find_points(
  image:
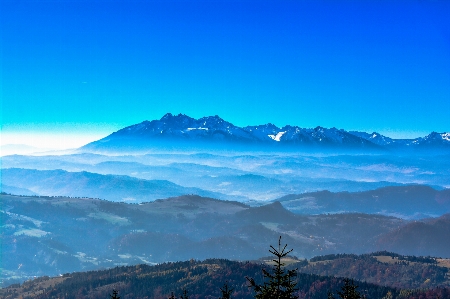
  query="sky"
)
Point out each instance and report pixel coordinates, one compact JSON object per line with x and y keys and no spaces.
{"x":75,"y":71}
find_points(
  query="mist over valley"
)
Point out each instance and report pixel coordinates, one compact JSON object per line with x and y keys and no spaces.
{"x":214,"y":197}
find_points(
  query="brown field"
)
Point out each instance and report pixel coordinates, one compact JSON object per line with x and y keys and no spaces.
{"x":444,"y":263}
{"x":386,"y":259}
{"x":286,"y":261}
{"x":320,"y":262}
{"x":39,"y":284}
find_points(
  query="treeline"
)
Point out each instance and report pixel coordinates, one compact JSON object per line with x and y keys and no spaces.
{"x":328,"y":257}
{"x":213,"y":278}
{"x":399,"y":273}
{"x":202,"y":279}
{"x":410,"y":258}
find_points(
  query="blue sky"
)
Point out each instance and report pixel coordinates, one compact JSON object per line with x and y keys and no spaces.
{"x":78,"y":70}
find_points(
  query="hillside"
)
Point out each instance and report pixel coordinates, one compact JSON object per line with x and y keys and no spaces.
{"x":415,"y":201}
{"x":431,"y":233}
{"x":383,"y":268}
{"x":41,"y":234}
{"x":202,"y":279}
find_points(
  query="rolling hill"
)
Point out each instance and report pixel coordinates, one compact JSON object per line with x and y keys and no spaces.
{"x":87,"y":184}
{"x":415,"y":201}
{"x":43,"y":234}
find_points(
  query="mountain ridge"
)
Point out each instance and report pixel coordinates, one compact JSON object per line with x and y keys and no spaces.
{"x":88,"y":184}
{"x":389,"y":200}
{"x":180,"y":131}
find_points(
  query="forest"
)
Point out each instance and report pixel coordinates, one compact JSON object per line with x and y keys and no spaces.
{"x":215,"y":278}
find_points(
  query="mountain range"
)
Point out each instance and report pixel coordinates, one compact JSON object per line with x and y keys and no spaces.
{"x":404,"y":201}
{"x":260,"y":177}
{"x":212,"y":132}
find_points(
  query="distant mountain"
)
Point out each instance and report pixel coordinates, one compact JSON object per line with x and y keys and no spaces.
{"x":414,"y":201}
{"x":250,"y":177}
{"x":181,"y":132}
{"x":432,"y":141}
{"x":87,"y":184}
{"x":273,"y":212}
{"x":16,"y":190}
{"x":257,"y":176}
{"x":432,"y":233}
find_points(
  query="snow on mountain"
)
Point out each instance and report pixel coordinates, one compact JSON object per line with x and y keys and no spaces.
{"x":177,"y":128}
{"x":324,"y":137}
{"x":435,"y":139}
{"x":278,"y":136}
{"x":185,"y":127}
{"x":374,"y":137}
{"x":432,"y":140}
{"x":215,"y":128}
{"x":263,"y":132}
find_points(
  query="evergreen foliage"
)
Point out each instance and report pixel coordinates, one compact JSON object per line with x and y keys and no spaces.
{"x":114,"y":295}
{"x":226,"y":291}
{"x":279,"y":282}
{"x":184,"y":295}
{"x":348,"y":291}
{"x":157,"y":282}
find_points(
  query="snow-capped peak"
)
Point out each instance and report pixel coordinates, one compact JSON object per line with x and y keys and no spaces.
{"x":277,"y":137}
{"x":213,"y":128}
{"x":199,"y":128}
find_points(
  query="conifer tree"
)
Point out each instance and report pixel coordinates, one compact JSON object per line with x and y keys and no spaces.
{"x":184,"y":295}
{"x":226,"y":291}
{"x":114,"y":295}
{"x":348,"y":291}
{"x":279,"y":283}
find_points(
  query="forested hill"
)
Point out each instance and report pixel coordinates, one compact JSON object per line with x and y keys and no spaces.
{"x":385,"y":268}
{"x":202,"y":279}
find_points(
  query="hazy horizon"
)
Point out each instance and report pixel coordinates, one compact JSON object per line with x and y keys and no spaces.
{"x":54,"y":139}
